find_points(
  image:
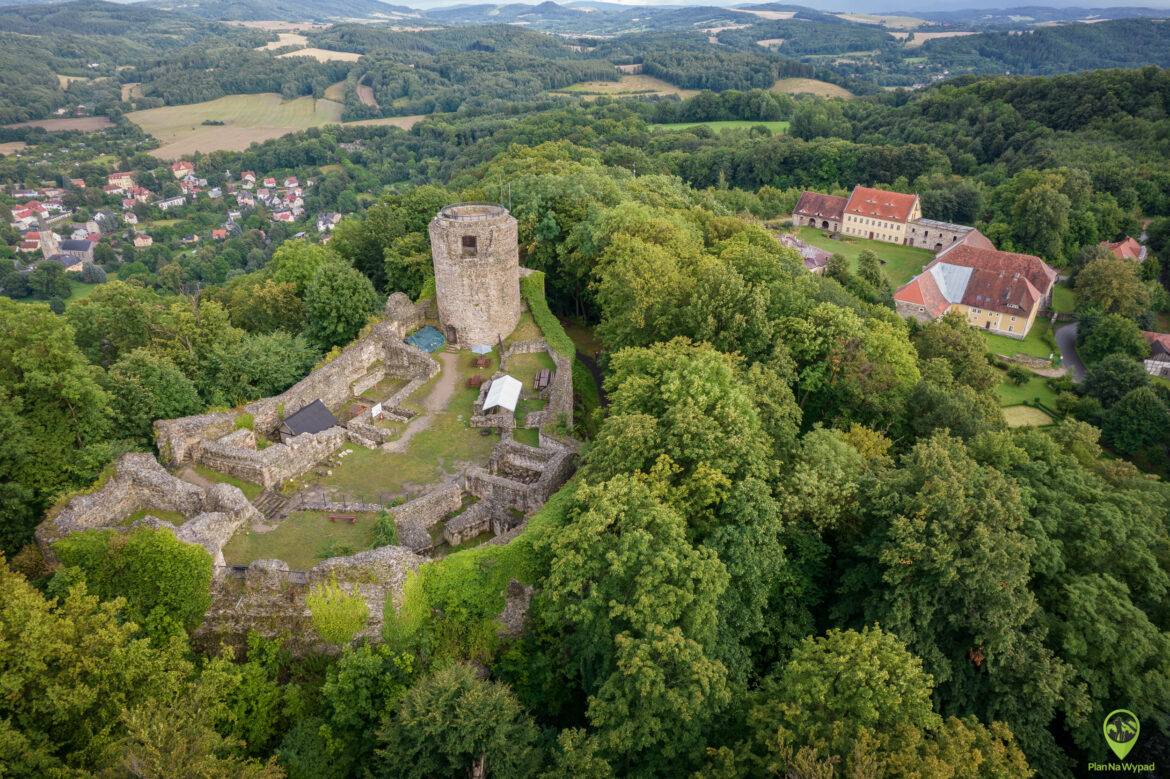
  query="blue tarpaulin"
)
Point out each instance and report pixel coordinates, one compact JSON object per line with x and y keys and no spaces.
{"x":427,"y":338}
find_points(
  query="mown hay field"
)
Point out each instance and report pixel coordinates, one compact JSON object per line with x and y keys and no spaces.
{"x":629,"y":84}
{"x":810,"y":86}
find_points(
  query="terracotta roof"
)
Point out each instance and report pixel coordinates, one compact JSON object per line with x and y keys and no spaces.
{"x":1030,"y":267}
{"x":1159,"y":342}
{"x":878,"y":203}
{"x":922,"y":290}
{"x":820,"y":206}
{"x":1126,"y":249}
{"x":973,"y":238}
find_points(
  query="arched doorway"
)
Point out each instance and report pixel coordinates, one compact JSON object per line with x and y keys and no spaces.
{"x":825,"y":225}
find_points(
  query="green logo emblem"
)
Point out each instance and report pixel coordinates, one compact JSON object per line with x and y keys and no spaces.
{"x":1121,"y":731}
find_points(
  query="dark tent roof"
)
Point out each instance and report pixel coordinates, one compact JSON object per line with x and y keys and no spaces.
{"x":76,"y":246}
{"x":313,"y":418}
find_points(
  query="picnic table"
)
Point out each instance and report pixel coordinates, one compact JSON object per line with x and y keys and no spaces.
{"x":481,"y":362}
{"x":543,"y":377}
{"x":350,"y":518}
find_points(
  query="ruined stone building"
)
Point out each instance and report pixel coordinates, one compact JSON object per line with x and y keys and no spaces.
{"x":477,"y":272}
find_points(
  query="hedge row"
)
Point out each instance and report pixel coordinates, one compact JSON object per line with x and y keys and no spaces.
{"x":532,"y":290}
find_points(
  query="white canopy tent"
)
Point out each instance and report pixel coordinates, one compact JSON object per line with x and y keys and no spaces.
{"x":503,"y":392}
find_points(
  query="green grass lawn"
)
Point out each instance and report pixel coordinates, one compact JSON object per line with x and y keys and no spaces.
{"x":79,"y":290}
{"x":1040,"y":341}
{"x":251,"y":491}
{"x":302,"y":540}
{"x":1064,"y":300}
{"x":1025,"y":416}
{"x":174,"y":517}
{"x":526,"y":435}
{"x":433,"y":454}
{"x":900,"y":263}
{"x":1010,"y":394}
{"x":777,"y":128}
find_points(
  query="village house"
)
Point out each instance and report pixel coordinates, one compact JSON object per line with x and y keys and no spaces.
{"x":270,"y":182}
{"x":247,"y":179}
{"x":142,"y":240}
{"x":171,"y":202}
{"x":130,"y":218}
{"x":291,"y":181}
{"x":120,"y":180}
{"x":1126,"y":249}
{"x":283,"y":216}
{"x":1001,"y":292}
{"x":182,"y":169}
{"x":77,"y":183}
{"x":81,"y":250}
{"x":327,"y":221}
{"x":219,"y":234}
{"x":1158,"y":363}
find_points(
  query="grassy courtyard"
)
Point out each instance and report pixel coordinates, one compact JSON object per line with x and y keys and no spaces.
{"x":900,"y":263}
{"x":1010,"y":394}
{"x":251,"y":490}
{"x":302,"y":540}
{"x":1064,"y":300}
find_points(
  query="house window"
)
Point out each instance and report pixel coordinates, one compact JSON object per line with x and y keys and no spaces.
{"x":470,"y":246}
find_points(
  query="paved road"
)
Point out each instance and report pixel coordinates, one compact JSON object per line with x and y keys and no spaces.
{"x":1066,"y":339}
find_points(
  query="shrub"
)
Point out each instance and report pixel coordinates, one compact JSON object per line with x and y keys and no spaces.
{"x":93,"y":274}
{"x":1018,"y":375}
{"x":166,"y":582}
{"x":245,"y":421}
{"x":428,"y":290}
{"x":385,"y":531}
{"x":337,"y":615}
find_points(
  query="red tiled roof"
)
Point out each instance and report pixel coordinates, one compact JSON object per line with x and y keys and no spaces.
{"x":1030,"y":267}
{"x":923,"y":291}
{"x":973,"y":238}
{"x":1159,"y":342}
{"x":878,"y":203}
{"x":1126,"y":249}
{"x":820,"y":206}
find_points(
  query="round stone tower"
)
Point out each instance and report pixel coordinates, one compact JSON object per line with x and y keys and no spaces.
{"x":477,"y":272}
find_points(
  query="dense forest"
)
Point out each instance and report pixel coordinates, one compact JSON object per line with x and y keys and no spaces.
{"x":790,"y":485}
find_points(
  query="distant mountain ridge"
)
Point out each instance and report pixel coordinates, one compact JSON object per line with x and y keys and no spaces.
{"x":284,"y":10}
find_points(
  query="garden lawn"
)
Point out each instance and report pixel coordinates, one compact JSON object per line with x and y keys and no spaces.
{"x":1040,"y":342}
{"x":79,"y":290}
{"x":1025,"y":416}
{"x":1010,"y":394}
{"x":302,"y":540}
{"x":1064,"y":300}
{"x":777,"y":128}
{"x":900,"y":263}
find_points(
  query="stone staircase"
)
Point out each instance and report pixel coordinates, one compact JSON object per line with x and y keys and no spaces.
{"x":272,"y":504}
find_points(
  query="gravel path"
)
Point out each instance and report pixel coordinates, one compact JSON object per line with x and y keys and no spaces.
{"x":433,"y":403}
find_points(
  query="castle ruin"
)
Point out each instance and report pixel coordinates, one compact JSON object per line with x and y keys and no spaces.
{"x":477,"y":272}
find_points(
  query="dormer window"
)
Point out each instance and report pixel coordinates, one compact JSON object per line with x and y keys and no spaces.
{"x":470,"y":246}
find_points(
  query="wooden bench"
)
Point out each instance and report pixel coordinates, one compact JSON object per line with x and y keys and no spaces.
{"x":542,"y":379}
{"x":350,"y":518}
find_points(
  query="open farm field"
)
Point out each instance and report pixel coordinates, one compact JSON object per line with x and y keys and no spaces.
{"x":629,"y":84}
{"x":325,"y":55}
{"x":770,"y":15}
{"x":285,"y":39}
{"x":810,"y":86}
{"x":247,"y":119}
{"x":893,"y":22}
{"x":276,"y":25}
{"x":336,"y":92}
{"x":916,"y":39}
{"x":11,"y":147}
{"x":85,"y":124}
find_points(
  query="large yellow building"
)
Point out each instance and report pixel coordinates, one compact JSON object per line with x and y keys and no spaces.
{"x":880,"y":215}
{"x":997,"y":291}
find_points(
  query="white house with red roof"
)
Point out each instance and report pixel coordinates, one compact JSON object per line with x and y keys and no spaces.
{"x":121,"y":180}
{"x":997,"y":291}
{"x":182,"y":169}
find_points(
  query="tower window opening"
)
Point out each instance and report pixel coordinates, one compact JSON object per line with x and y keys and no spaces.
{"x":470,"y":246}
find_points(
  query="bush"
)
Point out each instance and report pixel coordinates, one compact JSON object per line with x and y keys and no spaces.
{"x":385,"y":531}
{"x":1018,"y":375}
{"x":245,"y":421}
{"x":166,"y":582}
{"x":337,"y":615}
{"x":586,"y":400}
{"x":428,"y":290}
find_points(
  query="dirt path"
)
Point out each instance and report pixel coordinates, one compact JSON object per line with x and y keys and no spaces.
{"x":433,"y":403}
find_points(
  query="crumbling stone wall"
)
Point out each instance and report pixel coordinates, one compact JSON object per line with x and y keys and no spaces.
{"x":277,"y":463}
{"x":477,"y":291}
{"x":554,"y":463}
{"x":559,"y":392}
{"x":415,"y":518}
{"x":139,"y":483}
{"x":476,"y":520}
{"x":267,"y":598}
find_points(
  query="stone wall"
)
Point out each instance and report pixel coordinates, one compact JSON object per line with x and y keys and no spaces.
{"x":274,"y":465}
{"x":559,"y":393}
{"x":415,"y":518}
{"x":553,"y":464}
{"x":476,"y":520}
{"x":477,"y":293}
{"x":269,"y":599}
{"x":140,"y":483}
